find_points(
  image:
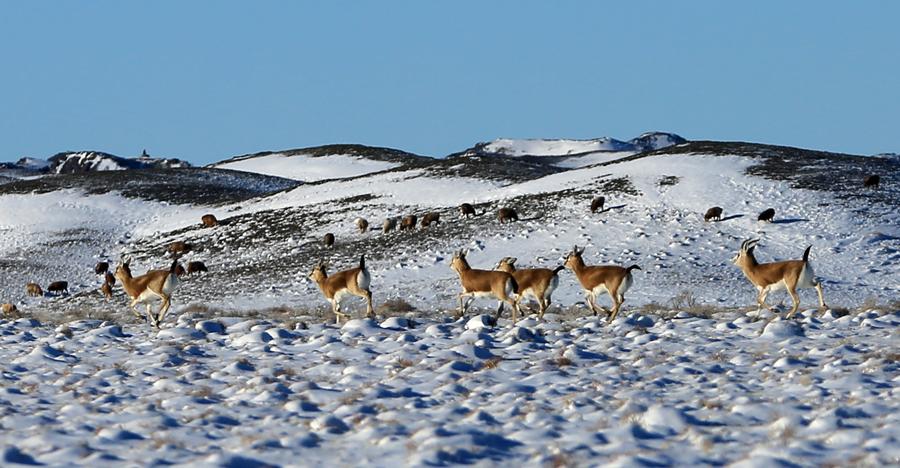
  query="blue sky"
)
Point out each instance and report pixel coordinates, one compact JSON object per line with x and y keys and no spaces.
{"x":205,"y":81}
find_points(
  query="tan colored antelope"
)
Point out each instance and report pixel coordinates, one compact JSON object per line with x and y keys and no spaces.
{"x":484,"y":283}
{"x":34,"y":290}
{"x":106,"y":290}
{"x":354,"y":281}
{"x":787,"y":274}
{"x":8,"y":309}
{"x":389,"y":225}
{"x":613,"y":279}
{"x":209,"y":220}
{"x":155,"y":284}
{"x":538,"y":283}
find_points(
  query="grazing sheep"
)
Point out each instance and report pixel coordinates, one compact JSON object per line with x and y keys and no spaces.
{"x":714,"y":213}
{"x":34,"y":290}
{"x":408,"y":223}
{"x":328,"y":240}
{"x":101,"y":267}
{"x":597,"y":204}
{"x":362,"y":225}
{"x":196,"y":267}
{"x":872,"y":181}
{"x":179,"y":247}
{"x":466,"y":210}
{"x":106,"y":289}
{"x":767,"y":215}
{"x":58,"y":287}
{"x":110,"y":278}
{"x":429,"y":218}
{"x":507,"y":215}
{"x":8,"y":309}
{"x":389,"y":225}
{"x":209,"y":220}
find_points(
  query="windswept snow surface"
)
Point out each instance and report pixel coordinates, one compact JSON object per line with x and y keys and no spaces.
{"x":309,"y":168}
{"x":639,"y":391}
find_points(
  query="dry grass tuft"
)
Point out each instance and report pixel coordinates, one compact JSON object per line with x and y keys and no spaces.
{"x":394,"y":306}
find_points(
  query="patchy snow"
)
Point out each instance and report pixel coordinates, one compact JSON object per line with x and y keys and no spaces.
{"x":309,"y":168}
{"x":592,"y":158}
{"x":544,"y":147}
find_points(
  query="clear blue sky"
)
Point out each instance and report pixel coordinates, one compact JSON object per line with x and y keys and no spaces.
{"x":205,"y":81}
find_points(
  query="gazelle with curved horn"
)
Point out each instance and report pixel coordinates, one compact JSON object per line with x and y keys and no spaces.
{"x":354,"y":281}
{"x":536,"y":282}
{"x":768,"y":277}
{"x":613,"y":279}
{"x":484,"y":283}
{"x":153,"y":285}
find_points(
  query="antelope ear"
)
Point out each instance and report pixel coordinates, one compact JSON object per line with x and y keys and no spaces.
{"x":511,"y":260}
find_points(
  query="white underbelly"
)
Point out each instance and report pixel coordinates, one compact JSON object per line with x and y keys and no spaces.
{"x":480,"y":294}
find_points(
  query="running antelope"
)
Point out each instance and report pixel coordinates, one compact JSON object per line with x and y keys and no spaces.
{"x":484,"y":283}
{"x":354,"y":281}
{"x":536,"y":282}
{"x":613,"y":279}
{"x":155,"y":284}
{"x":767,"y":277}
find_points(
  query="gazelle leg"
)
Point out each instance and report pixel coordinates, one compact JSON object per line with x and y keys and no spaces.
{"x":796,"y":300}
{"x":336,"y":309}
{"x":370,"y":311}
{"x":515,"y":310}
{"x":615,"y":310}
{"x":163,"y":310}
{"x":499,"y":309}
{"x":821,"y":297}
{"x":590,"y":300}
{"x":761,"y":300}
{"x":135,"y":311}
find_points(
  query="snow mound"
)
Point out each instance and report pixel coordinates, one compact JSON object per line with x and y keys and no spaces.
{"x":308,"y":168}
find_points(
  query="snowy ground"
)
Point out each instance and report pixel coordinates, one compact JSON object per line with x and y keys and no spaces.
{"x":638,"y":392}
{"x":685,"y":376}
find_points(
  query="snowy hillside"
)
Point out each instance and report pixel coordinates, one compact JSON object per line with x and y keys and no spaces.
{"x":249,"y":368}
{"x":321,"y":163}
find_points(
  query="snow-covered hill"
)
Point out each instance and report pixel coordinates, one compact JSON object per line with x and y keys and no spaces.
{"x":686,"y":375}
{"x":322,"y":162}
{"x":91,"y":161}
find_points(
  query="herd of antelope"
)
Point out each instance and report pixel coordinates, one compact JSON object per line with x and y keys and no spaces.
{"x":506,"y":283}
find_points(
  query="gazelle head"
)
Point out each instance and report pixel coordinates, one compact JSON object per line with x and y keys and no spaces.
{"x":459,"y":263}
{"x":318,"y":273}
{"x":574,"y":258}
{"x":745,"y":254}
{"x":507,"y":264}
{"x":123,"y":270}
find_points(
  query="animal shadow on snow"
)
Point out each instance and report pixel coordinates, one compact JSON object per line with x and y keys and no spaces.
{"x":790,"y":221}
{"x":734,"y":216}
{"x":610,"y":208}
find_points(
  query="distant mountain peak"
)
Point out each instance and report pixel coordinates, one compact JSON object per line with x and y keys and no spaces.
{"x":90,"y":161}
{"x":512,"y":147}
